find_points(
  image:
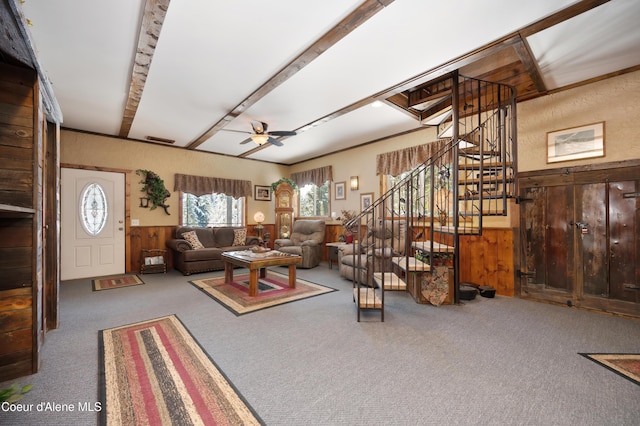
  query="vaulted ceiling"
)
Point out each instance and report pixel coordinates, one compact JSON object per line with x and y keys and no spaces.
{"x":195,"y":74}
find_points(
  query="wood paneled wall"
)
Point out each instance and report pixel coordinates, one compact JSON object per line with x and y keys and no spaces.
{"x":20,"y":223}
{"x":487,"y":259}
{"x":484,"y":260}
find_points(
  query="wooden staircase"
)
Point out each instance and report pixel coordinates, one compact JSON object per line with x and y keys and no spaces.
{"x":472,"y":176}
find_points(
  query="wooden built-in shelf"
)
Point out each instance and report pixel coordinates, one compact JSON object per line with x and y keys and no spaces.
{"x":9,"y":211}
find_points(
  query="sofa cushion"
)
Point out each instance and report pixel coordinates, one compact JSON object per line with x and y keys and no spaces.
{"x":192,"y":239}
{"x":224,"y":237}
{"x":205,"y":235}
{"x":210,"y":253}
{"x":239,"y":237}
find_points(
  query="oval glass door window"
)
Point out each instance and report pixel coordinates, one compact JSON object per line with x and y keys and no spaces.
{"x":93,"y":209}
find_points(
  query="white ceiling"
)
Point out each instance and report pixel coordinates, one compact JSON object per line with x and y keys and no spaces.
{"x":212,"y":55}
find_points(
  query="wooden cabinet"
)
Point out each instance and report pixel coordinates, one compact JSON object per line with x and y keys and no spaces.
{"x":28,"y":217}
{"x":580,"y":237}
{"x":20,"y":219}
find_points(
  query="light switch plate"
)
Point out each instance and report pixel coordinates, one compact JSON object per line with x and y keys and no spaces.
{"x":135,"y":222}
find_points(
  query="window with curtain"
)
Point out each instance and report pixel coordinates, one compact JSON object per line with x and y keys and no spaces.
{"x":209,"y":201}
{"x":393,"y":167}
{"x":314,"y":200}
{"x":212,"y":210}
{"x":313,"y":196}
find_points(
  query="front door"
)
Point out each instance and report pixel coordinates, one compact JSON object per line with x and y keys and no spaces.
{"x":92,"y":224}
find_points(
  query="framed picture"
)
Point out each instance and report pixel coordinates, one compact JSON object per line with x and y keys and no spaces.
{"x":340,"y":192}
{"x":576,"y":143}
{"x":262,"y":193}
{"x":366,"y":200}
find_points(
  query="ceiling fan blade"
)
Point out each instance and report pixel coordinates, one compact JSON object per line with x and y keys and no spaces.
{"x":273,"y":141}
{"x":235,"y":131}
{"x":282,"y":133}
{"x":247,"y":140}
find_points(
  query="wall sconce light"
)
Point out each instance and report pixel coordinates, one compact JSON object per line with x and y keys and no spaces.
{"x":259,"y":218}
{"x":144,"y":202}
{"x":355,"y":183}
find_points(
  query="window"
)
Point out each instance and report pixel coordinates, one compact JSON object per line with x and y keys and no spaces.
{"x":212,"y":210}
{"x":422,"y":183}
{"x":314,"y":200}
{"x":93,"y":209}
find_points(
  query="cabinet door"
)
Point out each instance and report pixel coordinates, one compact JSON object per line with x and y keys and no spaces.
{"x":608,"y":243}
{"x":547,"y":243}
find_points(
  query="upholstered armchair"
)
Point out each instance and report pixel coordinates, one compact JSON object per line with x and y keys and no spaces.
{"x":384,"y":241}
{"x":307,"y":241}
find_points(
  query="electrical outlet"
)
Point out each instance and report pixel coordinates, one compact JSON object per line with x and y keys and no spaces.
{"x":135,"y":222}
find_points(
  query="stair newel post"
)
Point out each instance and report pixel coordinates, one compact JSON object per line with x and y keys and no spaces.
{"x":455,"y":102}
{"x":514,"y":142}
{"x":482,"y":159}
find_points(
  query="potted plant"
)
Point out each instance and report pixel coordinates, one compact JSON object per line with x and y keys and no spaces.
{"x":348,"y":224}
{"x":154,"y":188}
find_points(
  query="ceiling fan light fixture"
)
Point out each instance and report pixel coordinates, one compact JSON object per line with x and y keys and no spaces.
{"x":260,"y":139}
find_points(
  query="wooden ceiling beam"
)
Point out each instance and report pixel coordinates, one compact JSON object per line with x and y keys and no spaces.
{"x":356,"y":18}
{"x":152,"y":20}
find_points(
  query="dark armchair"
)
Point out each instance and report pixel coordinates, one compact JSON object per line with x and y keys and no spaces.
{"x":307,"y":241}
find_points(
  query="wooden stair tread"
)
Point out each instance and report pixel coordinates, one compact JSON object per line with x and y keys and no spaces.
{"x":476,"y":166}
{"x":464,"y":230}
{"x":437,"y":247}
{"x":493,"y":180}
{"x":391,"y":281}
{"x":369,"y":298}
{"x":487,"y":195}
{"x":414,"y":264}
{"x":497,"y":212}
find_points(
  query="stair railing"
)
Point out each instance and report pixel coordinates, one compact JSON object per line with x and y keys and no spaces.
{"x":388,"y":230}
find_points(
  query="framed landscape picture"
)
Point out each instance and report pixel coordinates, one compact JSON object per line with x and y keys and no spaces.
{"x":576,"y":143}
{"x":262,"y":193}
{"x":340,"y":191}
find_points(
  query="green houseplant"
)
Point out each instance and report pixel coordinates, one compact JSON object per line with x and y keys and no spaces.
{"x":14,"y":393}
{"x":153,"y":187}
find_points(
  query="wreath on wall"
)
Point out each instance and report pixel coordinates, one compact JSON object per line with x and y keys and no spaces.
{"x":153,"y":187}
{"x":275,"y":184}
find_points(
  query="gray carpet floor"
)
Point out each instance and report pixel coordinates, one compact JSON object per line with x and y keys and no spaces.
{"x":501,"y":361}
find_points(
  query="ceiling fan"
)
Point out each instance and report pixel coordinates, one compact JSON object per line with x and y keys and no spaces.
{"x":261,"y":136}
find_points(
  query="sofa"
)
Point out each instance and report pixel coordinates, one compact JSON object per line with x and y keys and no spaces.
{"x":204,"y":252}
{"x":307,"y":241}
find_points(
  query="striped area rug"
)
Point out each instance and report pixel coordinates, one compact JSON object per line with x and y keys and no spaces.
{"x":106,"y":283}
{"x":154,"y":372}
{"x":273,"y":290}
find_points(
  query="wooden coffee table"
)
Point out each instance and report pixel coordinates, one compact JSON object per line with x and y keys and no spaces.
{"x":256,"y":264}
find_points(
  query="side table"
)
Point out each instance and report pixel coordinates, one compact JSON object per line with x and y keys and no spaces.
{"x":333,"y":249}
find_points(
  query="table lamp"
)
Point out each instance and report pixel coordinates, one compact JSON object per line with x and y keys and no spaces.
{"x":259,"y":218}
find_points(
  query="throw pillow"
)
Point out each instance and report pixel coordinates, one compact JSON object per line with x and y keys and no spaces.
{"x":192,"y":239}
{"x":239,"y":237}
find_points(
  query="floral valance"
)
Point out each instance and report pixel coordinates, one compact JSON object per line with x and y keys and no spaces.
{"x":202,"y":185}
{"x":397,"y":162}
{"x":318,"y":176}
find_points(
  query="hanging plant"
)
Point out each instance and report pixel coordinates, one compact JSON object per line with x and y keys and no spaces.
{"x":154,"y":188}
{"x":275,"y":184}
